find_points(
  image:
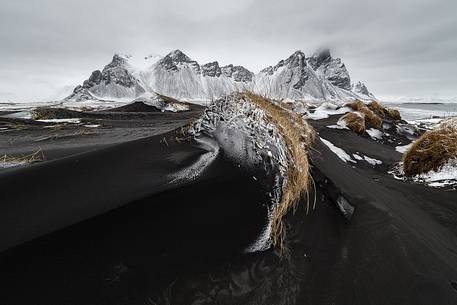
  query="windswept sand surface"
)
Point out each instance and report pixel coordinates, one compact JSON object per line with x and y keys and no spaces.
{"x":106,"y":226}
{"x":95,"y":130}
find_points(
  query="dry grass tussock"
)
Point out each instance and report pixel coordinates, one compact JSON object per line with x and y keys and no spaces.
{"x":45,"y":113}
{"x":22,"y":160}
{"x":432,"y":150}
{"x":298,"y":136}
{"x":371,"y":118}
{"x":78,"y":133}
{"x":355,"y":121}
{"x":383,"y":112}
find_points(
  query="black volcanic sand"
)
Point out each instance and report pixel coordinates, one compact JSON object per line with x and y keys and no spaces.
{"x":131,"y":220}
{"x":98,"y":129}
{"x":137,"y":239}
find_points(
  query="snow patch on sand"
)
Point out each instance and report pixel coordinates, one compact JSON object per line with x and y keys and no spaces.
{"x":357,"y":157}
{"x":445,"y":176}
{"x":10,"y":164}
{"x":71,"y":121}
{"x":325,"y":110}
{"x":369,"y":160}
{"x":158,"y":102}
{"x":338,"y":126}
{"x":372,"y":161}
{"x":338,"y":151}
{"x":375,"y":134}
{"x":403,"y":148}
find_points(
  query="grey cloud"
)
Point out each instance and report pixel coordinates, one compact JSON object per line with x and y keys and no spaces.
{"x":403,"y":47}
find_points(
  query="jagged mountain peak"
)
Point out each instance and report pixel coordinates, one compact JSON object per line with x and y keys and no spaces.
{"x":297,"y":59}
{"x":177,"y":75}
{"x":178,"y":56}
{"x":361,"y":88}
{"x":118,"y":61}
{"x":238,"y":73}
{"x":94,"y":79}
{"x":297,"y":54}
{"x":211,"y":69}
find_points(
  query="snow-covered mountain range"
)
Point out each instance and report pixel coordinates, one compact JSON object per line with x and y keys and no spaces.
{"x":319,"y":77}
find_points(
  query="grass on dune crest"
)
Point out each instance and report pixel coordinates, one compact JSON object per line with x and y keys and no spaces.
{"x":373,"y":114}
{"x":432,"y":150}
{"x":371,"y":118}
{"x":23,"y":160}
{"x":384,"y":112}
{"x":298,"y":136}
{"x":355,"y":121}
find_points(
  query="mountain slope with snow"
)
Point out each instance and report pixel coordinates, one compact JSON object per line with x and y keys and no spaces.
{"x":295,"y":78}
{"x":113,"y":82}
{"x":180,"y":77}
{"x":177,"y":75}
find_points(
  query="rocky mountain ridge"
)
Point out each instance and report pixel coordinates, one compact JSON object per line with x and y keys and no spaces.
{"x":318,"y":77}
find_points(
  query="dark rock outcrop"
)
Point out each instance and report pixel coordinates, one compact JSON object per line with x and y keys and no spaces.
{"x":238,"y":73}
{"x":211,"y":69}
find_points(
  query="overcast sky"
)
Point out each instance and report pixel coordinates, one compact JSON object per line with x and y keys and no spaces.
{"x":397,"y":47}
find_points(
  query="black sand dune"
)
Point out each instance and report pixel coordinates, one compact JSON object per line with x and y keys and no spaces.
{"x":135,"y":107}
{"x":96,"y":130}
{"x":11,"y":122}
{"x":158,"y":223}
{"x":394,"y":251}
{"x":135,"y":110}
{"x":139,"y":106}
{"x":107,"y":227}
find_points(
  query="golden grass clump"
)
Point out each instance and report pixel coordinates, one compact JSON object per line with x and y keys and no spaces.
{"x":40,"y":113}
{"x":432,"y":150}
{"x":383,"y":112}
{"x":86,"y":109}
{"x":298,"y":136}
{"x":22,"y":160}
{"x":394,"y":114}
{"x":371,"y":118}
{"x":45,"y":113}
{"x":355,"y":121}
